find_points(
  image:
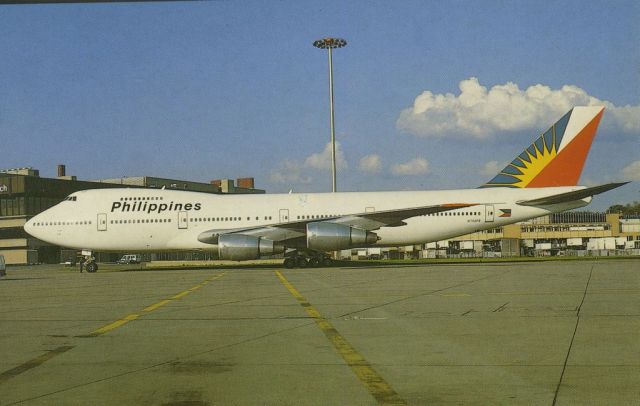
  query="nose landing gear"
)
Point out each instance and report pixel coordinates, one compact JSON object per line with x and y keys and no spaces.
{"x":91,"y":267}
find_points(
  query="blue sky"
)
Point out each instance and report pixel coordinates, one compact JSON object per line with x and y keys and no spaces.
{"x":204,"y":90}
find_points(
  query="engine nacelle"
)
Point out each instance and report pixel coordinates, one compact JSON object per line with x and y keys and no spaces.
{"x":239,"y":247}
{"x":333,"y":237}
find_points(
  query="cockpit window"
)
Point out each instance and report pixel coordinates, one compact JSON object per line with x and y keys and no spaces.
{"x":71,"y":198}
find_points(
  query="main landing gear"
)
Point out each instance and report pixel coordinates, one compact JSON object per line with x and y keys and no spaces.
{"x":302,"y":260}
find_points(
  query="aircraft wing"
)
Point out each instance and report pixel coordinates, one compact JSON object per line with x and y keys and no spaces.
{"x":366,"y":221}
{"x":394,"y":218}
{"x":570,"y":196}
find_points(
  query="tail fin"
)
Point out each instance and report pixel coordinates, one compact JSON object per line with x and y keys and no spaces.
{"x":557,"y":157}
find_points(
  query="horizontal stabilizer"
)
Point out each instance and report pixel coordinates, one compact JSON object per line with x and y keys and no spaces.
{"x":571,"y":196}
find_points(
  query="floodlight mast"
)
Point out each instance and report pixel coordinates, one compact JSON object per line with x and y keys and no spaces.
{"x":330,"y":43}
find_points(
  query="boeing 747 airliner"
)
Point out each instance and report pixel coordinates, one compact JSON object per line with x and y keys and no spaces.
{"x":541,"y":180}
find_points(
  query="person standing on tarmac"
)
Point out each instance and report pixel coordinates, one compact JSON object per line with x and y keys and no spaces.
{"x":82,"y":263}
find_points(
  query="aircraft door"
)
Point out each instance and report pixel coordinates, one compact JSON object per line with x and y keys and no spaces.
{"x":284,"y":215}
{"x":488,"y":213}
{"x":102,"y":222}
{"x":183,"y":220}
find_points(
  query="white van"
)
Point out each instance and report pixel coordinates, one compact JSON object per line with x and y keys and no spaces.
{"x":3,"y":268}
{"x":130,"y":259}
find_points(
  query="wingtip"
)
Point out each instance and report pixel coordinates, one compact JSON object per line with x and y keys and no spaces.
{"x":618,"y":184}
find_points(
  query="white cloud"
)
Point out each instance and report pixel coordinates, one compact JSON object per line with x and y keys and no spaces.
{"x":632,"y":171}
{"x":478,"y":112}
{"x":289,"y":172}
{"x":417,"y":166}
{"x":628,"y":118}
{"x":370,"y":163}
{"x":492,"y":168}
{"x":590,"y":182}
{"x":322,"y":160}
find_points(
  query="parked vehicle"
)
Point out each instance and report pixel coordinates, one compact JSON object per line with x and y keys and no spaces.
{"x":130,"y":259}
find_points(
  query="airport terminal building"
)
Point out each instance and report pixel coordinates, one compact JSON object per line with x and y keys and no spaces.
{"x":23,"y":194}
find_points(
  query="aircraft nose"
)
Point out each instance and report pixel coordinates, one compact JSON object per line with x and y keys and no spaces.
{"x":29,"y":226}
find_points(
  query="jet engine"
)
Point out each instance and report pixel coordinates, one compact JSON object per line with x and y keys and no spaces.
{"x":333,"y":237}
{"x":239,"y":247}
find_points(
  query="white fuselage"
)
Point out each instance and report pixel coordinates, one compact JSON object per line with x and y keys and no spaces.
{"x":153,"y":220}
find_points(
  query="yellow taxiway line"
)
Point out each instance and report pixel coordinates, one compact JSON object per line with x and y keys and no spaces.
{"x":121,"y":322}
{"x":374,"y":382}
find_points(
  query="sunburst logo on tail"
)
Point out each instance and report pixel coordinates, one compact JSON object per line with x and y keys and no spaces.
{"x":537,"y":165}
{"x":526,"y":169}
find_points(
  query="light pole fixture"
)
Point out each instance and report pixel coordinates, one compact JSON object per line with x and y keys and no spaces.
{"x":330,"y":43}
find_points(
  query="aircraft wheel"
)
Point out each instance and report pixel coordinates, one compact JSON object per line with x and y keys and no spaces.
{"x":289,"y":262}
{"x":92,"y":267}
{"x":302,"y":262}
{"x":315,"y":262}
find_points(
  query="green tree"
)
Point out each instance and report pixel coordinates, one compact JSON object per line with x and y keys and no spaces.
{"x":629,"y":208}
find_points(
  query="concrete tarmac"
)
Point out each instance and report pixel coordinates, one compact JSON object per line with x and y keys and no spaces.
{"x":548,"y":333}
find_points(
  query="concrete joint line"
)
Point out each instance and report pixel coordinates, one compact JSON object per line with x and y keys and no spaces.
{"x":575,"y":330}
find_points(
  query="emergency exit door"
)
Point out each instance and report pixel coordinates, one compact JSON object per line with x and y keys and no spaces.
{"x":183,"y":220}
{"x":284,"y":215}
{"x":102,"y":222}
{"x":488,"y":213}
